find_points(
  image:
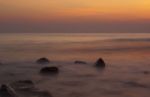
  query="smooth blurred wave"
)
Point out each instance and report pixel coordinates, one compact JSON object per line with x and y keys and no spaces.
{"x":29,"y":46}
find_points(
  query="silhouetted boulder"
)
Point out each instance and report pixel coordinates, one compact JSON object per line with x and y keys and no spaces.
{"x":43,"y":61}
{"x":49,"y":70}
{"x":100,"y":63}
{"x":80,"y":62}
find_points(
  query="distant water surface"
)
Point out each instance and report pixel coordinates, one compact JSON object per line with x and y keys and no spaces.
{"x":26,"y":46}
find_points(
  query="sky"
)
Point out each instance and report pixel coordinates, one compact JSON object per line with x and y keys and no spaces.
{"x":74,"y":16}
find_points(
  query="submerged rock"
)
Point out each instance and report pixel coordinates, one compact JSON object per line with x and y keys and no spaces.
{"x":135,"y":84}
{"x":6,"y":91}
{"x":146,"y":72}
{"x":1,"y":63}
{"x":23,"y":85}
{"x":25,"y":82}
{"x":43,"y":61}
{"x":49,"y":70}
{"x":100,"y":63}
{"x":26,"y":88}
{"x":80,"y":62}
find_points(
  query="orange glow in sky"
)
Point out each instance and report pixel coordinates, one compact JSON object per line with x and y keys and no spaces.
{"x":64,"y":9}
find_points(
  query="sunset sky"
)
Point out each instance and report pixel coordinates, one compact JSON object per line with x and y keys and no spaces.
{"x":91,"y":15}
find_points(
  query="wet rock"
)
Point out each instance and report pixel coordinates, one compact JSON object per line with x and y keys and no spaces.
{"x":43,"y":61}
{"x":6,"y":91}
{"x":100,"y":63}
{"x":80,"y":62}
{"x":49,"y":70}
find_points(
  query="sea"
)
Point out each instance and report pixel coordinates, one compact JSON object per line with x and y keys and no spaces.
{"x":127,"y":58}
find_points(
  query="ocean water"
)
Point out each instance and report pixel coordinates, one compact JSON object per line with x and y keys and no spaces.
{"x":127,"y":57}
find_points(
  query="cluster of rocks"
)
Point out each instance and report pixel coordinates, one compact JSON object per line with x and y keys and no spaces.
{"x":26,"y":88}
{"x":47,"y":69}
{"x":55,"y":70}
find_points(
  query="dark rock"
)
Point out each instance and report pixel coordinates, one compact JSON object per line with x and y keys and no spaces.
{"x":80,"y":62}
{"x":1,"y":63}
{"x":146,"y":72}
{"x":49,"y":70}
{"x":6,"y":91}
{"x":100,"y":63}
{"x":43,"y":61}
{"x":3,"y":87}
